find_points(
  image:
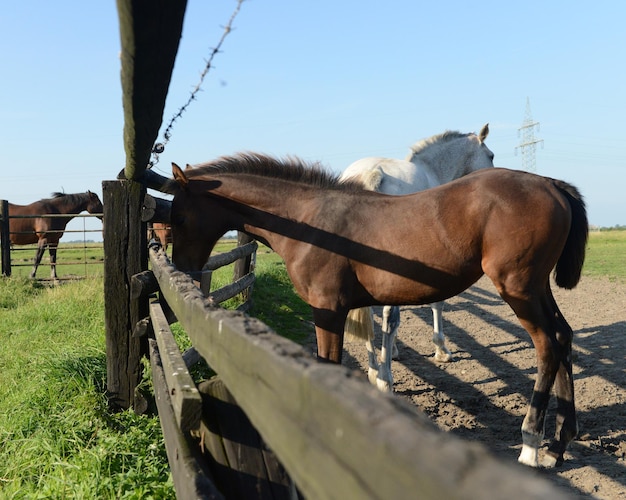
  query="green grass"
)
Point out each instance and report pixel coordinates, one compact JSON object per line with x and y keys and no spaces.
{"x":606,"y":255}
{"x":73,"y":259}
{"x":57,"y":437}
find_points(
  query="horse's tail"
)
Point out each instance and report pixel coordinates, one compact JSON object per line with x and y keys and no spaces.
{"x":359,"y":324}
{"x":570,"y":263}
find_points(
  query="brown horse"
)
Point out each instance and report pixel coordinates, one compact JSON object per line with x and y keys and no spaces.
{"x":47,"y":231}
{"x":346,"y":248}
{"x":162,"y":232}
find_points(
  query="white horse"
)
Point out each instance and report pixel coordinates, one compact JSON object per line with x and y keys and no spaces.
{"x":430,"y":162}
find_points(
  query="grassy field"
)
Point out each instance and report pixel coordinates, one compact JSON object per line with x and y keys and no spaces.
{"x":58,"y":440}
{"x":73,"y":259}
{"x":606,"y":255}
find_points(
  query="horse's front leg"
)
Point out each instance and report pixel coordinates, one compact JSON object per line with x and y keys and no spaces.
{"x":391,"y":322}
{"x":329,"y":329}
{"x":442,"y":354}
{"x":41,"y":248}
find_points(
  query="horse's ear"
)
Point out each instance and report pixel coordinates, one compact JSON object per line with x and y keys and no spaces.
{"x":188,"y":167}
{"x":484,"y":132}
{"x":179,"y":175}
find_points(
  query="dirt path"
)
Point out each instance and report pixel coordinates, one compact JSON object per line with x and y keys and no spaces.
{"x":483,"y":394}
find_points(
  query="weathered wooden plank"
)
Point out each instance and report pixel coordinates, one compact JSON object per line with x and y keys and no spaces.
{"x":191,"y":479}
{"x":143,"y":284}
{"x":223,"y":259}
{"x":125,"y":250}
{"x":248,"y":469}
{"x":228,"y":291}
{"x":184,"y":396}
{"x":150,"y":32}
{"x":337,"y":436}
{"x":155,"y":209}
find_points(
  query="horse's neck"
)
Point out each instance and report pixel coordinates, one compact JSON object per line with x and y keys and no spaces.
{"x":72,"y":206}
{"x":257,"y":196}
{"x":443,"y":164}
{"x":268,"y":209}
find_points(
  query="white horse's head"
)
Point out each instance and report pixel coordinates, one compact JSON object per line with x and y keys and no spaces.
{"x":451,"y":155}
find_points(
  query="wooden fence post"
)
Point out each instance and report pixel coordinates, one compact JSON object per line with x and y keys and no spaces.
{"x":125,"y":254}
{"x":5,"y":238}
{"x":242,"y":266}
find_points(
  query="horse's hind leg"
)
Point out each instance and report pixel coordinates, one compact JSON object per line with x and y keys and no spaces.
{"x":41,"y":248}
{"x":566,"y":424}
{"x":442,"y":354}
{"x":536,"y":313}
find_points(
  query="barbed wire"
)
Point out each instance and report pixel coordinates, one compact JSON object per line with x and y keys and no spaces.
{"x":159,"y":147}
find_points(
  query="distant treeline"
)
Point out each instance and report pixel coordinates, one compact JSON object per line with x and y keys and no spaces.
{"x":616,"y":227}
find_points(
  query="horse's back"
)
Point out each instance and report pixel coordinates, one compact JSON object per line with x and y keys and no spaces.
{"x":515,"y":212}
{"x":388,"y":175}
{"x":27,"y":230}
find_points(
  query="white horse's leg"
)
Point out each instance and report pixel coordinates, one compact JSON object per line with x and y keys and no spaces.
{"x":372,"y":360}
{"x":386,"y":312}
{"x":442,"y":354}
{"x":391,"y":321}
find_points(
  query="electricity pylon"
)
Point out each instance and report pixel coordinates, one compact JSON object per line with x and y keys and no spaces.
{"x":528,"y":146}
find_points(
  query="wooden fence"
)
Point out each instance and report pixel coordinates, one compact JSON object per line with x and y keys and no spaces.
{"x":7,"y":252}
{"x":335,"y":435}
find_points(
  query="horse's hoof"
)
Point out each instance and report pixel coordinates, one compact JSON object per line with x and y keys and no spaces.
{"x":550,"y":460}
{"x":384,"y":385}
{"x":444,"y":357}
{"x":528,"y":456}
{"x":372,"y":376}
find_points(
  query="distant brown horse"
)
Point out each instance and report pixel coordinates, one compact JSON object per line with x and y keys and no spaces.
{"x":162,"y":232}
{"x":47,"y":231}
{"x":346,"y":248}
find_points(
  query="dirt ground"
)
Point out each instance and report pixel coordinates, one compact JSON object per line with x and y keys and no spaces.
{"x":483,"y":394}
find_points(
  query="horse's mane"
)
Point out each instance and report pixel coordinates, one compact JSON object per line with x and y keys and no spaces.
{"x":422,"y":144}
{"x":70,"y":197}
{"x":290,"y":168}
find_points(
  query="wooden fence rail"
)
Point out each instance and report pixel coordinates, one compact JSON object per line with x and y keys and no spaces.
{"x":337,"y":436}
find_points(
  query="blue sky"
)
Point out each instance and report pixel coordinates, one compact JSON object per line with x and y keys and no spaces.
{"x":324,"y":80}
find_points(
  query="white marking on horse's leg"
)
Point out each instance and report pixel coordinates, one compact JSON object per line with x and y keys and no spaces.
{"x":372,"y":360}
{"x":530,"y":449}
{"x":384,"y":382}
{"x":529,"y":456}
{"x":442,"y":354}
{"x":391,"y":321}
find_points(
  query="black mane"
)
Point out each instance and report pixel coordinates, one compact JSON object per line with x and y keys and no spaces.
{"x":69,"y":197}
{"x":290,"y":169}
